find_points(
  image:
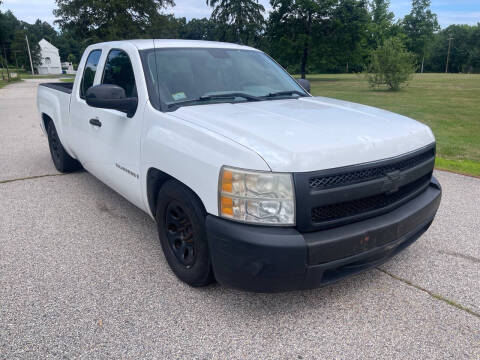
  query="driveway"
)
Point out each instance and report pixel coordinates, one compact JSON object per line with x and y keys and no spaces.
{"x":82,"y":275}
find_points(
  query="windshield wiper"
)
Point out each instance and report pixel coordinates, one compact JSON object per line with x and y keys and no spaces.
{"x":286,"y":92}
{"x":213,"y":97}
{"x":229,"y":95}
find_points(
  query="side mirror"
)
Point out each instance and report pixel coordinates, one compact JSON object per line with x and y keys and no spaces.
{"x":108,"y":96}
{"x":304,"y":83}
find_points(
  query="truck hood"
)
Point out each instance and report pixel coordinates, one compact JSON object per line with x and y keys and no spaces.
{"x":314,"y":133}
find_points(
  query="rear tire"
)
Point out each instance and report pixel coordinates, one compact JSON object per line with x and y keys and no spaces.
{"x":61,"y":159}
{"x":181,"y":229}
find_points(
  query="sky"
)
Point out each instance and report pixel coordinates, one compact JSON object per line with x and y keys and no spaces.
{"x":448,"y":11}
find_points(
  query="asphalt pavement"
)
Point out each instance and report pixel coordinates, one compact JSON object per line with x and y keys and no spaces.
{"x":82,"y":276}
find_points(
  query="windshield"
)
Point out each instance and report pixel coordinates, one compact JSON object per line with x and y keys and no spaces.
{"x":192,"y":76}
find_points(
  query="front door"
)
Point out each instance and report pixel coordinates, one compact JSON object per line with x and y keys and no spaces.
{"x":116,"y":138}
{"x":81,"y":137}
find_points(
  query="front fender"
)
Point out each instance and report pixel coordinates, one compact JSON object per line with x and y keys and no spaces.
{"x":191,"y":154}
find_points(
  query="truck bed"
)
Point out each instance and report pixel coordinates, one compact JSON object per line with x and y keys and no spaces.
{"x":65,"y":87}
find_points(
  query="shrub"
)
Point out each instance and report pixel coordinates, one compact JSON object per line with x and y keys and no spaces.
{"x":391,"y":65}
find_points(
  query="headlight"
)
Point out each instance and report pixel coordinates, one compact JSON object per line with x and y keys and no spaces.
{"x":256,"y":197}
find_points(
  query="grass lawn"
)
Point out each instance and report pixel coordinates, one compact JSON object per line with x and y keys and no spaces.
{"x":25,"y":74}
{"x":30,"y":76}
{"x":5,"y":82}
{"x":63,"y":77}
{"x":448,"y":103}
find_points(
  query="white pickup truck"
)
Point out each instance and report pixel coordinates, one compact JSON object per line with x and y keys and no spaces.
{"x":251,"y":180}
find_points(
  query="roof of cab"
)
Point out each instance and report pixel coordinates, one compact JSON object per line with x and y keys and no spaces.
{"x":142,"y":44}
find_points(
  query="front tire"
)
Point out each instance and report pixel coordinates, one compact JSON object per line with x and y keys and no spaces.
{"x":181,"y":228}
{"x":61,"y":159}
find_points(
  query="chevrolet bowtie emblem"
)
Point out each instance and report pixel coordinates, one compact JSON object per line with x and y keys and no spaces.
{"x":392,"y":181}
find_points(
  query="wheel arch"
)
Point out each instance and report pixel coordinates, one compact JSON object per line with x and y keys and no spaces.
{"x":45,"y":121}
{"x":155,"y":180}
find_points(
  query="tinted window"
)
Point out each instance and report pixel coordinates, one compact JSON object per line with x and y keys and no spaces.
{"x":89,"y":72}
{"x":119,"y":71}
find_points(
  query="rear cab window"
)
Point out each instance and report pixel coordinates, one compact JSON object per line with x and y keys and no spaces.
{"x":118,"y":70}
{"x":89,"y":71}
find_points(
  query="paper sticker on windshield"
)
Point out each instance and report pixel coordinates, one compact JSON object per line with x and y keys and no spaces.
{"x":179,"y":96}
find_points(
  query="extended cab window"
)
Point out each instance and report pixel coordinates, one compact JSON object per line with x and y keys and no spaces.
{"x":89,"y":72}
{"x":119,"y":71}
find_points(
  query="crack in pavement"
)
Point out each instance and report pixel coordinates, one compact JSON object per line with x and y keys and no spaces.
{"x":431,"y":293}
{"x":29,"y":178}
{"x":473,"y":259}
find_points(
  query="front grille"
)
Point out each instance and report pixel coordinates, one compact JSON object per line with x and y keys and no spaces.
{"x":369,"y":173}
{"x":367,"y":204}
{"x":330,"y":198}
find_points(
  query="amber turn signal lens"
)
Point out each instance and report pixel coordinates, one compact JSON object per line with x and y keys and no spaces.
{"x":226,"y":206}
{"x":227,"y":179}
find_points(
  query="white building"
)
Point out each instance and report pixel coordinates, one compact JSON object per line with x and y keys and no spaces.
{"x":67,"y":68}
{"x":50,"y":59}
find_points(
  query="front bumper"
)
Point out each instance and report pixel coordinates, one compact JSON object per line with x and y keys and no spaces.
{"x":271,"y":259}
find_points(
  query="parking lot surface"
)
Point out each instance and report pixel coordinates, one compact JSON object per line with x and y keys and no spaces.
{"x":82,"y":275}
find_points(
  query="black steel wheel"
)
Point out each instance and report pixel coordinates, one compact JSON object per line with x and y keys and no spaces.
{"x":54,"y":144}
{"x":180,"y":233}
{"x":180,"y":219}
{"x":61,"y":159}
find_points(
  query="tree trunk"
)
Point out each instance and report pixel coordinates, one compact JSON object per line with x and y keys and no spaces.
{"x":306,"y":46}
{"x":423,"y":60}
{"x":6,"y":63}
{"x":304,"y":61}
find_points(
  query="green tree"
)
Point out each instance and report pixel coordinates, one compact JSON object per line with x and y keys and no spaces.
{"x":391,"y":65}
{"x":8,"y":24}
{"x":41,"y":30}
{"x":164,"y":26}
{"x":243,"y":19}
{"x":201,"y":29}
{"x":67,"y":43}
{"x":419,"y":26}
{"x":71,"y":58}
{"x":98,"y":20}
{"x":294,"y":23}
{"x":18,"y":48}
{"x":474,"y":53}
{"x":382,"y":22}
{"x":348,"y":34}
{"x":12,"y":36}
{"x":464,"y":52}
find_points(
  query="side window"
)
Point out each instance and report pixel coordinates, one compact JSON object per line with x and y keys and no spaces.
{"x":119,"y":71}
{"x":89,"y":72}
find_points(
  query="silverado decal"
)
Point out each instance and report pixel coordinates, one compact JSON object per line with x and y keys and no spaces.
{"x":130,"y":172}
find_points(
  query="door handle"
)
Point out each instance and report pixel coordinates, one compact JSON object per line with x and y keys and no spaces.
{"x":95,"y":122}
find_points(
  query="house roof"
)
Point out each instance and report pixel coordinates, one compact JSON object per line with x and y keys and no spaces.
{"x":45,"y":44}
